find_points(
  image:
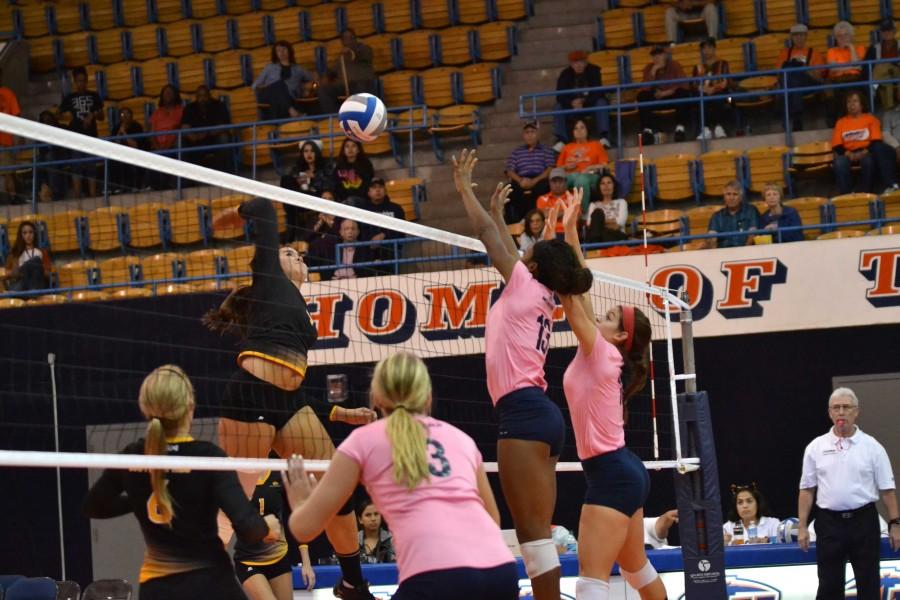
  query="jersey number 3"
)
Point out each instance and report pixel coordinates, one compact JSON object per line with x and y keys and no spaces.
{"x":543,"y":338}
{"x":438,"y":466}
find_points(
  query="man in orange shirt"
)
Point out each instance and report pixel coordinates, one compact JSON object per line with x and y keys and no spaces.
{"x":9,"y":105}
{"x":856,"y":140}
{"x":797,"y":55}
{"x":557,"y":196}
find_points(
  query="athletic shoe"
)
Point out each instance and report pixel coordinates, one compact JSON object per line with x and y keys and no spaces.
{"x":603,"y":140}
{"x":679,"y":133}
{"x":360,"y":592}
{"x":720,"y":132}
{"x":647,"y":137}
{"x":705,"y":135}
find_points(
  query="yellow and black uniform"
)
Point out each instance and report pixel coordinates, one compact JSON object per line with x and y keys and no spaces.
{"x":279,"y":328}
{"x":262,"y":558}
{"x":185,"y":557}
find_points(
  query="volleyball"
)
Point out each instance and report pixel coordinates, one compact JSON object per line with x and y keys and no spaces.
{"x":363,"y":117}
{"x":787,"y":531}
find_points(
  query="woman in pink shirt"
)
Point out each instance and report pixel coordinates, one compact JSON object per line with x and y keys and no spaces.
{"x":427,"y":479}
{"x":517,"y":338}
{"x":611,"y":347}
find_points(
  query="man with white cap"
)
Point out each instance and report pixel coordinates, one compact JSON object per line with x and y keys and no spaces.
{"x":844,"y":473}
{"x":796,"y":55}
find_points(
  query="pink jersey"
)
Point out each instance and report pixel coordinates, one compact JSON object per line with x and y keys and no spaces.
{"x":594,"y":392}
{"x":517,"y":335}
{"x":441,"y":523}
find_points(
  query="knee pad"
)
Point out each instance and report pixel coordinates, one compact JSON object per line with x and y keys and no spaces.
{"x":588,"y":588}
{"x":539,"y":556}
{"x":642,"y":578}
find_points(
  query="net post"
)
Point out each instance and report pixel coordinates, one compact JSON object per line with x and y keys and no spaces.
{"x":51,"y":362}
{"x":686,"y":319}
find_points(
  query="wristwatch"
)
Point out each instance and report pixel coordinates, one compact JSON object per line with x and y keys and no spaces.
{"x":893,"y":522}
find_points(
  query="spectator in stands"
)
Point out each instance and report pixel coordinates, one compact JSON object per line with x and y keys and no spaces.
{"x":352,"y":72}
{"x":778,"y":216}
{"x":206,"y":111}
{"x":85,"y":108}
{"x":734,"y":217}
{"x":582,"y":159}
{"x":534,"y":229}
{"x":794,"y":56}
{"x":717,"y":111}
{"x":310,"y":175}
{"x":27,"y":266}
{"x":350,"y":255}
{"x":656,"y":529}
{"x":845,"y":51}
{"x":9,"y":105}
{"x":662,"y":67}
{"x":379,"y":202}
{"x":375,"y":542}
{"x":51,"y":180}
{"x":580,"y":74}
{"x":281,"y":82}
{"x":528,"y":170}
{"x":690,"y":10}
{"x":891,"y":125}
{"x":748,"y":505}
{"x":352,"y":173}
{"x":887,"y":47}
{"x":166,"y":117}
{"x":857,"y":140}
{"x":323,"y":236}
{"x":607,"y":215}
{"x":127,"y":176}
{"x":557,"y":197}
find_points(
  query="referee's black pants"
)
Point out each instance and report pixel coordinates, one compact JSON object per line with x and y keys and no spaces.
{"x":853,"y":535}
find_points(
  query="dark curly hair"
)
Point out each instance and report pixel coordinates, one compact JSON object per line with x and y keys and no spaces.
{"x":558,"y":268}
{"x":762,"y":507}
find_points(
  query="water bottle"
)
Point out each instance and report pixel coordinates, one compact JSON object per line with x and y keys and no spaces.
{"x":737,"y":536}
{"x":751,"y":531}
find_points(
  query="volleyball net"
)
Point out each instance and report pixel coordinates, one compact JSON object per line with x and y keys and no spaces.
{"x":134,"y":272}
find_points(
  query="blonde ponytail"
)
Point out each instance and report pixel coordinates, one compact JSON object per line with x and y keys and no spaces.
{"x":165,"y":398}
{"x":159,"y":507}
{"x":402,"y":388}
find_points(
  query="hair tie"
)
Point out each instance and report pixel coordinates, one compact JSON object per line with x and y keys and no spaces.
{"x":401,"y":407}
{"x":628,"y":326}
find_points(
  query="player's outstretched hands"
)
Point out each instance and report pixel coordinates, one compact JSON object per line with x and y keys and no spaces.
{"x":571,"y":212}
{"x":274,"y":529}
{"x":500,"y":197}
{"x":550,"y":223}
{"x":297,"y":482}
{"x":228,"y":219}
{"x":463,"y":167}
{"x":359,"y":416}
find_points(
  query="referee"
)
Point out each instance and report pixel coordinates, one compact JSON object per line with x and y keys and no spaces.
{"x":844,"y":472}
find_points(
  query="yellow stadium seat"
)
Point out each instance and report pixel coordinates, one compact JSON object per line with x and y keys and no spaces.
{"x":673,"y":177}
{"x":169,"y":11}
{"x":766,"y":166}
{"x":305,"y":54}
{"x":434,"y":14}
{"x":811,"y":160}
{"x":100,"y":14}
{"x":174,"y":289}
{"x":781,"y":15}
{"x":607,"y":60}
{"x":251,"y":30}
{"x":454,"y":45}
{"x":203,"y":263}
{"x":732,"y":50}
{"x":823,"y":13}
{"x":78,"y":273}
{"x":13,"y":226}
{"x":661,"y":223}
{"x":891,"y":203}
{"x":242,"y":105}
{"x":840,"y":235}
{"x":401,"y":192}
{"x":810,"y":211}
{"x":238,"y":7}
{"x":238,"y":261}
{"x":655,"y":24}
{"x":42,"y":54}
{"x":180,"y":38}
{"x":360,"y":17}
{"x":494,"y":40}
{"x":214,"y":34}
{"x":270,"y":5}
{"x":415,"y":49}
{"x":437,"y":86}
{"x":382,"y":57}
{"x":853,"y":207}
{"x":471,"y":12}
{"x":103,"y":229}
{"x":687,"y":54}
{"x":160,"y":267}
{"x":864,"y":11}
{"x":144,"y":45}
{"x":63,"y":230}
{"x":719,"y":168}
{"x":286,"y":23}
{"x":119,"y":82}
{"x":227,"y":69}
{"x":698,"y":218}
{"x":155,"y":74}
{"x":126,"y":293}
{"x":618,"y":28}
{"x":90,"y":296}
{"x":144,"y":222}
{"x":221,"y":204}
{"x":740,"y":18}
{"x":75,"y":49}
{"x":204,"y":9}
{"x":478,"y":83}
{"x":11,"y":302}
{"x":192,"y":72}
{"x":768,"y":47}
{"x":399,"y":88}
{"x":118,"y":270}
{"x":135,"y":12}
{"x":639,"y":58}
{"x":511,"y":10}
{"x":48,"y":299}
{"x":886,"y":230}
{"x":322,"y":21}
{"x":397,"y":16}
{"x":294,"y":129}
{"x":188,"y":221}
{"x":34,"y":18}
{"x":67,"y":17}
{"x":109,"y":46}
{"x":263,"y":154}
{"x":459,"y":119}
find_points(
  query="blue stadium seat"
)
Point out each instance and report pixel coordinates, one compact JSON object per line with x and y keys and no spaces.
{"x":6,"y":581}
{"x":33,"y":588}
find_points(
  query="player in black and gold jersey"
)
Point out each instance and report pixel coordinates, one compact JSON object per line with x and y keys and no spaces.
{"x":264,"y":569}
{"x":185,"y":558}
{"x":263,"y":408}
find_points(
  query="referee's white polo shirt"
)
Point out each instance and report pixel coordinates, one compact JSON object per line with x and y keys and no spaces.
{"x":848,"y":472}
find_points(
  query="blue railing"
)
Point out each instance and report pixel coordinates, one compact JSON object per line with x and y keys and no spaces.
{"x":528,"y":103}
